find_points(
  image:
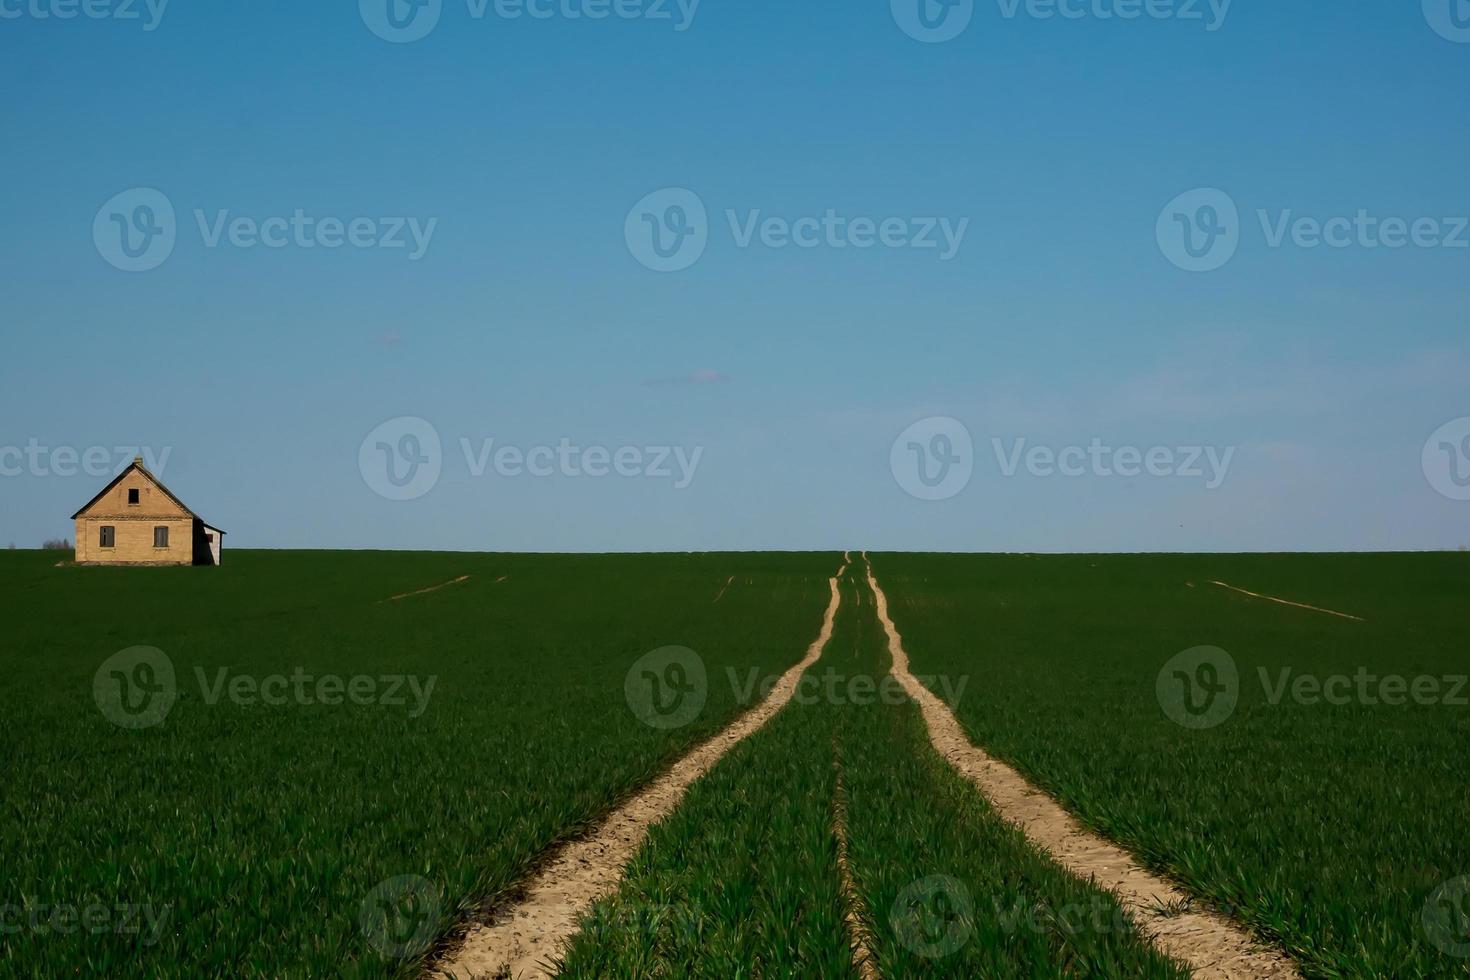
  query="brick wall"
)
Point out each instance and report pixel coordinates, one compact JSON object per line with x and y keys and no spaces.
{"x":133,"y":525}
{"x":133,"y":540}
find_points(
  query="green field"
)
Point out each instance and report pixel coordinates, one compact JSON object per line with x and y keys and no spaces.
{"x":744,"y":879}
{"x":256,"y":833}
{"x":248,"y":835}
{"x":1328,"y":826}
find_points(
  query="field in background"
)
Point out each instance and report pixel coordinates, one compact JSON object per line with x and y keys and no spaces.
{"x":1328,"y":825}
{"x":266,"y":835}
{"x":259,"y":832}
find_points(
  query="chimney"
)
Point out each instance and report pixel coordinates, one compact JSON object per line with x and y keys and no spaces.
{"x":137,"y":460}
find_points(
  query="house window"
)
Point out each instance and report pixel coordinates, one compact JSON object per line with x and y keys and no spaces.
{"x":160,"y":537}
{"x":133,"y":496}
{"x":108,"y":537}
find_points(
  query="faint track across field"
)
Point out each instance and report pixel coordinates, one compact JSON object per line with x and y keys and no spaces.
{"x":1288,"y":602}
{"x":432,"y":588}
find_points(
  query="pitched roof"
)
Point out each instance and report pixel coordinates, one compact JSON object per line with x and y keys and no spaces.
{"x":137,"y":464}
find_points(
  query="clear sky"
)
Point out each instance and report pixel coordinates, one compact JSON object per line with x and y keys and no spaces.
{"x":499,"y":288}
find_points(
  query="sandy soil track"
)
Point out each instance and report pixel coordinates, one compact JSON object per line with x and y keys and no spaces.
{"x":524,"y":938}
{"x":1287,"y":602}
{"x":432,"y":588}
{"x":854,"y":912}
{"x":1213,"y":946}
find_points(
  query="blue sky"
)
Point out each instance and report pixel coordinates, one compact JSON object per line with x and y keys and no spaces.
{"x":1334,"y":376}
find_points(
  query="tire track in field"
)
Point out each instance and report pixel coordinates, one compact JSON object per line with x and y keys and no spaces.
{"x":854,"y":912}
{"x":1214,"y":947}
{"x":1288,"y":602}
{"x":432,"y":588}
{"x":524,"y":938}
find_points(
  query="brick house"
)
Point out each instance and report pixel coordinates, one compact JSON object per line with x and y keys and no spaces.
{"x":135,"y":520}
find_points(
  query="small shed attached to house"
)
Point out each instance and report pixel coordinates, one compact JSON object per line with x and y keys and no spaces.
{"x":136,"y":520}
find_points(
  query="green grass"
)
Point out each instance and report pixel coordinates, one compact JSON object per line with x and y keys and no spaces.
{"x":255,"y":833}
{"x":742,"y":880}
{"x":261,"y":830}
{"x":1326,"y":826}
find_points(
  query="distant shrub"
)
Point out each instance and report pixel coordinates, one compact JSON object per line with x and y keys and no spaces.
{"x":55,"y":544}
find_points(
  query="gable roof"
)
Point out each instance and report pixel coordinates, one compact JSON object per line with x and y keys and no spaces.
{"x":137,"y":464}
